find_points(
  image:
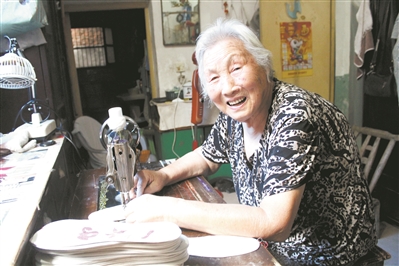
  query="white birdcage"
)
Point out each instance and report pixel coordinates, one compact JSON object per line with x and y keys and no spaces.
{"x":16,"y":72}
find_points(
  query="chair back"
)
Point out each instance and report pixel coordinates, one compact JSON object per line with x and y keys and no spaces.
{"x":370,"y":139}
{"x":87,"y":135}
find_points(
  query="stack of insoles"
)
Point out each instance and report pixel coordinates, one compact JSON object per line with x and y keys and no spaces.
{"x":83,"y":242}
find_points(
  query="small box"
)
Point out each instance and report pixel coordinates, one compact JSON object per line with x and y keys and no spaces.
{"x":178,"y":114}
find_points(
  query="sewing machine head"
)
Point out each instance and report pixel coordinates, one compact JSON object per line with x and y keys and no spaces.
{"x":120,"y":135}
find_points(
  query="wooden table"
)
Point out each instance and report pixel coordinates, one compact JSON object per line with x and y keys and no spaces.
{"x":197,"y":188}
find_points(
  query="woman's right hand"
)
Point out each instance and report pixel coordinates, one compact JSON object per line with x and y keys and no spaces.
{"x":148,"y":182}
{"x":191,"y":164}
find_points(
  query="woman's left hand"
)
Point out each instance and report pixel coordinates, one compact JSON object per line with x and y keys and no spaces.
{"x":150,"y":208}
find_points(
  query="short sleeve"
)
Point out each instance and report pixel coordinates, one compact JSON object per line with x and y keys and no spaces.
{"x":215,"y":147}
{"x":291,"y":156}
{"x":292,"y":142}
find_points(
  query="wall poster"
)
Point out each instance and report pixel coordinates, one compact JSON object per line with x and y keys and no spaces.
{"x":296,"y":49}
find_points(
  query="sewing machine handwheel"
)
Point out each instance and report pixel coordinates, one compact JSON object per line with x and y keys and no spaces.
{"x":134,"y":131}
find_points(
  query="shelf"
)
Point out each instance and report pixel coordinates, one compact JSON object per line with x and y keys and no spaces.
{"x":179,"y":12}
{"x":131,"y":97}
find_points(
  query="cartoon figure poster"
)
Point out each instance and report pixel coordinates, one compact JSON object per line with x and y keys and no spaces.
{"x":296,"y":49}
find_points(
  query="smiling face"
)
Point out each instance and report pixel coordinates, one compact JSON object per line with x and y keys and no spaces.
{"x":236,"y":84}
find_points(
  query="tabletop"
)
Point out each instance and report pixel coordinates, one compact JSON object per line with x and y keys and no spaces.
{"x":196,"y":188}
{"x":24,"y":178}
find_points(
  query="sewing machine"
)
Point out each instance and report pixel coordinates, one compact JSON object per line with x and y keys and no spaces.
{"x":120,"y":136}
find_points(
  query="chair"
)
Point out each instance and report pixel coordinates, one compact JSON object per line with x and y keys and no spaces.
{"x":87,"y":135}
{"x":370,"y":139}
{"x":369,"y":147}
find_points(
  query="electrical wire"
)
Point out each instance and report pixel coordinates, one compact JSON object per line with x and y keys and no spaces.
{"x":68,"y":136}
{"x":174,"y":124}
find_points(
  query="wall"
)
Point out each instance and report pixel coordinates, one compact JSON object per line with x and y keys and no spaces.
{"x":348,"y":93}
{"x":342,"y":65}
{"x":348,"y":90}
{"x":168,"y":56}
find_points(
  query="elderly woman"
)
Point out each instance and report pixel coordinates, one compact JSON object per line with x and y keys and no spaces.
{"x":295,"y":164}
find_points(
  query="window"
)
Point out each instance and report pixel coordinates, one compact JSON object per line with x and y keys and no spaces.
{"x":92,"y":47}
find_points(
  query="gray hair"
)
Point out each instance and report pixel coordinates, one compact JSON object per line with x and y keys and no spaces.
{"x":232,"y":28}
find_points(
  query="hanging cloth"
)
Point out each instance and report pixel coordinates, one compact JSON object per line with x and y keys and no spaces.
{"x":383,"y":22}
{"x":382,"y":112}
{"x":376,"y":84}
{"x":364,"y":36}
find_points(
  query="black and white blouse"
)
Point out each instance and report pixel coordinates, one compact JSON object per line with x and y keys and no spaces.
{"x":307,"y":140}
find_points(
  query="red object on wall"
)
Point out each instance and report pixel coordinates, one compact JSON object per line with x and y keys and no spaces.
{"x":197,"y":107}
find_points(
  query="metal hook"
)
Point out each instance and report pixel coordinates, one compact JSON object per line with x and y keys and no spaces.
{"x":13,"y":47}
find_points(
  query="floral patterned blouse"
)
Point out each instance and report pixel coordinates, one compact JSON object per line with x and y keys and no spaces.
{"x":307,"y":140}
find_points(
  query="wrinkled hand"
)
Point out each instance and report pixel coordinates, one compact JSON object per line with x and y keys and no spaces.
{"x":150,"y":208}
{"x":147,"y":182}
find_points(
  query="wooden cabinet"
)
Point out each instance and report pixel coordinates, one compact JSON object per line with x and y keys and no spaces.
{"x":57,"y":199}
{"x":175,"y":144}
{"x":172,"y":144}
{"x":300,"y":35}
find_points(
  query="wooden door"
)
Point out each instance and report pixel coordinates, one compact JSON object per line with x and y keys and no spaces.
{"x":300,"y":35}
